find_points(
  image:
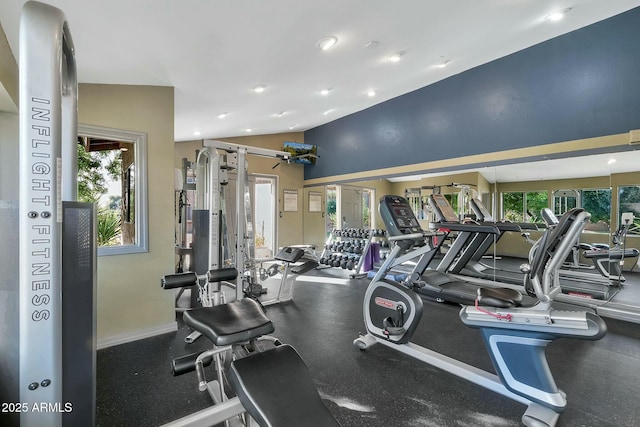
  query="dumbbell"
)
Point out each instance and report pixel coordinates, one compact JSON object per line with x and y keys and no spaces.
{"x":351,"y":264}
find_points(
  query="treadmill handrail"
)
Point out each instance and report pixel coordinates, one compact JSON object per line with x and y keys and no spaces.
{"x":470,"y":227}
{"x":412,"y":236}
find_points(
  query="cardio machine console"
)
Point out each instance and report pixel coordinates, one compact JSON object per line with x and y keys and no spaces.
{"x":442,"y":208}
{"x":398,"y":216}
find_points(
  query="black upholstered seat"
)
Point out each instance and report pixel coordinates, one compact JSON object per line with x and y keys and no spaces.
{"x":499,"y":297}
{"x":231,"y":323}
{"x":276,"y":389}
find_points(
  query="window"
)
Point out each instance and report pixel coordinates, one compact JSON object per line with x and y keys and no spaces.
{"x":264,"y":192}
{"x":598,"y":203}
{"x":112,"y":173}
{"x":629,"y":201}
{"x":417,"y":202}
{"x":332,"y":204}
{"x":524,"y":207}
{"x":368,"y":209}
{"x":349,"y":207}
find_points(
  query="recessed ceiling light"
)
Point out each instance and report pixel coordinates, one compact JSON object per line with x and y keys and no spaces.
{"x":222,"y":115}
{"x":326,"y":42}
{"x":327,"y":112}
{"x":557,"y":16}
{"x":442,"y":64}
{"x":324,"y":92}
{"x":248,"y":130}
{"x":292,"y":126}
{"x":611,"y":161}
{"x":371,"y":93}
{"x":196,"y":133}
{"x":259,"y":89}
{"x":395,"y":57}
{"x":280,"y":114}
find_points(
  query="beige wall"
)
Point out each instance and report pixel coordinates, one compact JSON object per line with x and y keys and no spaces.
{"x":382,"y":187}
{"x":130,"y":299}
{"x":314,"y":226}
{"x":313,"y":223}
{"x":473,"y":178}
{"x":8,"y":70}
{"x":290,"y":177}
{"x":9,"y":155}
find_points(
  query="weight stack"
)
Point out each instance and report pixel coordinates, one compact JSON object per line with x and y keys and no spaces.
{"x":200,"y":245}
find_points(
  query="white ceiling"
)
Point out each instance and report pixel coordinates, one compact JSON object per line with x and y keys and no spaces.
{"x":215,"y":52}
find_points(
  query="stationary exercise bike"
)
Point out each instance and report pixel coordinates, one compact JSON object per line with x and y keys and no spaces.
{"x":515,"y":335}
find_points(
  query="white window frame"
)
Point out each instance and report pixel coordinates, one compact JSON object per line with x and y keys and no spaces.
{"x":139,"y":141}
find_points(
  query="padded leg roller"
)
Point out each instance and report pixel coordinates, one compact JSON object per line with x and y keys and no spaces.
{"x":180,"y":280}
{"x":182,"y":365}
{"x":276,"y":389}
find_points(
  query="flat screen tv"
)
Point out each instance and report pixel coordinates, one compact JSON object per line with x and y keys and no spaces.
{"x":301,"y":153}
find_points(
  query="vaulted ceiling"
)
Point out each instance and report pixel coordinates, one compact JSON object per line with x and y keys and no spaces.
{"x":216,"y":52}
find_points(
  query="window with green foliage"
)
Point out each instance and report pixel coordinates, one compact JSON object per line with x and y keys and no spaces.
{"x":524,"y":207}
{"x":597,"y":202}
{"x":366,"y":208}
{"x":331,"y":209}
{"x":629,"y":201}
{"x":112,"y":174}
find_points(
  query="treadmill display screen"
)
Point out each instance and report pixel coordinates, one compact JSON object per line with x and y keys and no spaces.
{"x":484,"y":214}
{"x":443,"y":208}
{"x":398,"y":216}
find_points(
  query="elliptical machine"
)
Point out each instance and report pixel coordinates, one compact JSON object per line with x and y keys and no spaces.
{"x":515,"y":335}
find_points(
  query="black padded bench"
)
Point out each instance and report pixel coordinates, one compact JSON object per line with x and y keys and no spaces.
{"x":276,"y":389}
{"x":231,"y":323}
{"x":274,"y":386}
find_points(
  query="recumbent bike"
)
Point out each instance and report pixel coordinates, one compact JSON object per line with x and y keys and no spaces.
{"x":515,"y":334}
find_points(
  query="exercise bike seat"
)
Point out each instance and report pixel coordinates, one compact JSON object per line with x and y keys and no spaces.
{"x":231,"y":323}
{"x":276,"y":389}
{"x":499,"y":297}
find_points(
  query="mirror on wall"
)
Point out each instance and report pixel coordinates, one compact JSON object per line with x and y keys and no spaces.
{"x":607,"y":185}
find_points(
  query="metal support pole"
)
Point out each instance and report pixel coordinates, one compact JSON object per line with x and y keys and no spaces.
{"x":48,"y":97}
{"x":213,"y":187}
{"x":242,"y":219}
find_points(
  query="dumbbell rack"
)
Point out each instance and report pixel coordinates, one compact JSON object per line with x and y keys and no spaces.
{"x":347,"y":249}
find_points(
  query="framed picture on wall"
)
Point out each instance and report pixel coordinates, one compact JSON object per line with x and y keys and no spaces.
{"x":315,"y":201}
{"x":290,"y":200}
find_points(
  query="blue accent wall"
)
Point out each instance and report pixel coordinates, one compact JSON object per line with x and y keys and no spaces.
{"x":580,"y":85}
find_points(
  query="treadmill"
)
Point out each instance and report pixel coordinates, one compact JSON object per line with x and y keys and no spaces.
{"x":466,"y":253}
{"x":468,"y":263}
{"x":432,"y":284}
{"x":604,"y":281}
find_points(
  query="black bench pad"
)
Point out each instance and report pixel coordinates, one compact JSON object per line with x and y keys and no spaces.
{"x":231,"y":323}
{"x":276,"y":389}
{"x":499,"y":297}
{"x":304,"y":267}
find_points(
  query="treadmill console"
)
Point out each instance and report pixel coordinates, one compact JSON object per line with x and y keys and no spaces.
{"x":398,"y":216}
{"x":442,"y":208}
{"x":480,"y":210}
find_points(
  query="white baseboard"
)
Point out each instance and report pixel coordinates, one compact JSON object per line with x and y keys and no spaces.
{"x":137,"y":335}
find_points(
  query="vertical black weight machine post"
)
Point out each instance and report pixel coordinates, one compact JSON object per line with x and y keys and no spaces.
{"x":57,"y":252}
